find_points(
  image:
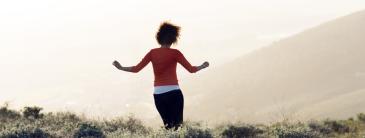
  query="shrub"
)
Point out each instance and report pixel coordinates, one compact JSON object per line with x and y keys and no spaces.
{"x":361,"y":117}
{"x":60,"y":124}
{"x":67,"y":117}
{"x":88,"y":130}
{"x":62,"y":117}
{"x":134,"y":125}
{"x":297,"y":134}
{"x":337,"y":126}
{"x":187,"y":130}
{"x":332,"y":126}
{"x":299,"y":130}
{"x":6,"y":113}
{"x":32,"y":112}
{"x":351,"y":119}
{"x":196,"y":132}
{"x":320,"y":127}
{"x":131,"y":125}
{"x":233,"y":131}
{"x":25,"y":133}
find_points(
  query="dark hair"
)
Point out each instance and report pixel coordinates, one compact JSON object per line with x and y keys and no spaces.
{"x":167,"y":34}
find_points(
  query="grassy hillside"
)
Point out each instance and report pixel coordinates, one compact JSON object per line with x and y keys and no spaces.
{"x":317,"y":73}
{"x":31,"y":122}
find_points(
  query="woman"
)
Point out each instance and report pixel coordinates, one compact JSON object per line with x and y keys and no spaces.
{"x":168,"y":98}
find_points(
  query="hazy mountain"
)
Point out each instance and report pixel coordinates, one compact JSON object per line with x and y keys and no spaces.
{"x":317,"y":73}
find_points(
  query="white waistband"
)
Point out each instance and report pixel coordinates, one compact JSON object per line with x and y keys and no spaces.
{"x":165,"y":88}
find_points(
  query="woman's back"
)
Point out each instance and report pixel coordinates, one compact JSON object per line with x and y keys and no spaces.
{"x":164,"y":61}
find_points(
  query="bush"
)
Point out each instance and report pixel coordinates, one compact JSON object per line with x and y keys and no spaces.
{"x":361,"y":117}
{"x":337,"y":126}
{"x":62,"y":117}
{"x":134,"y":126}
{"x":196,"y":132}
{"x":233,"y":131}
{"x":299,"y":130}
{"x":131,"y":125}
{"x":67,"y":117}
{"x":88,"y":130}
{"x":331,"y":126}
{"x":320,"y":127}
{"x":32,"y":112}
{"x":187,"y":130}
{"x":299,"y":133}
{"x":60,"y":124}
{"x":6,"y":113}
{"x":25,"y":133}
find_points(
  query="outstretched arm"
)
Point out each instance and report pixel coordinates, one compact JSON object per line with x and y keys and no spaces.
{"x":185,"y":63}
{"x":204,"y":65}
{"x":120,"y":67}
{"x":136,"y":68}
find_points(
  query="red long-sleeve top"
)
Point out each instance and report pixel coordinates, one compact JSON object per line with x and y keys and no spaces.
{"x":164,"y":61}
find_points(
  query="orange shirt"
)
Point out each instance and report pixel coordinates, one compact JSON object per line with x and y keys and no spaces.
{"x":164,"y":61}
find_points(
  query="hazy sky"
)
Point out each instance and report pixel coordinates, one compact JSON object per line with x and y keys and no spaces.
{"x":53,"y":48}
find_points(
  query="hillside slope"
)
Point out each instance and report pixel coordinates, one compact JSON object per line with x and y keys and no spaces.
{"x":318,"y":69}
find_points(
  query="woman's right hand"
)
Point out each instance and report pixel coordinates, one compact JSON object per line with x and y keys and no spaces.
{"x":204,"y":65}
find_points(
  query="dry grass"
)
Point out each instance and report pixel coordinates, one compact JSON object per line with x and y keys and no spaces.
{"x":32,"y":123}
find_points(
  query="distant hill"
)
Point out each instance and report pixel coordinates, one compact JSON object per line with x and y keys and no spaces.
{"x":317,"y":73}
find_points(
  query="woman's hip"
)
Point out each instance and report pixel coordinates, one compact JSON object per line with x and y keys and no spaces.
{"x":170,"y":96}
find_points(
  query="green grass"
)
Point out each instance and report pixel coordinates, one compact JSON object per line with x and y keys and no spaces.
{"x":32,"y":123}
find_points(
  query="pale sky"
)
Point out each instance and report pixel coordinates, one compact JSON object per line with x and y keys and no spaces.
{"x":56,"y":48}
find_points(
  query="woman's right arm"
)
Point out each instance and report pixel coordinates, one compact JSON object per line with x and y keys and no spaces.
{"x":146,"y":59}
{"x":204,"y":65}
{"x":185,"y":63}
{"x":120,"y":67}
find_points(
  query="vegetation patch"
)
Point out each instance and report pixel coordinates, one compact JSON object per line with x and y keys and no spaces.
{"x":32,"y":123}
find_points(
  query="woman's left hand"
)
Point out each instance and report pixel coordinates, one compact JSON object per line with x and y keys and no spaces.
{"x":117,"y":65}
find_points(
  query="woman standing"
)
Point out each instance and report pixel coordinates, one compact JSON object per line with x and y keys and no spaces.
{"x":168,"y":97}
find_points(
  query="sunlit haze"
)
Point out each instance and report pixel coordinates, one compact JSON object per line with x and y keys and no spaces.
{"x":58,"y":54}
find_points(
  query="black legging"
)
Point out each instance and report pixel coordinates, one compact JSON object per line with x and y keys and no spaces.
{"x":170,"y":105}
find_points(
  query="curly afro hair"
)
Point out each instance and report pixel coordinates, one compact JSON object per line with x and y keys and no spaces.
{"x":168,"y":33}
